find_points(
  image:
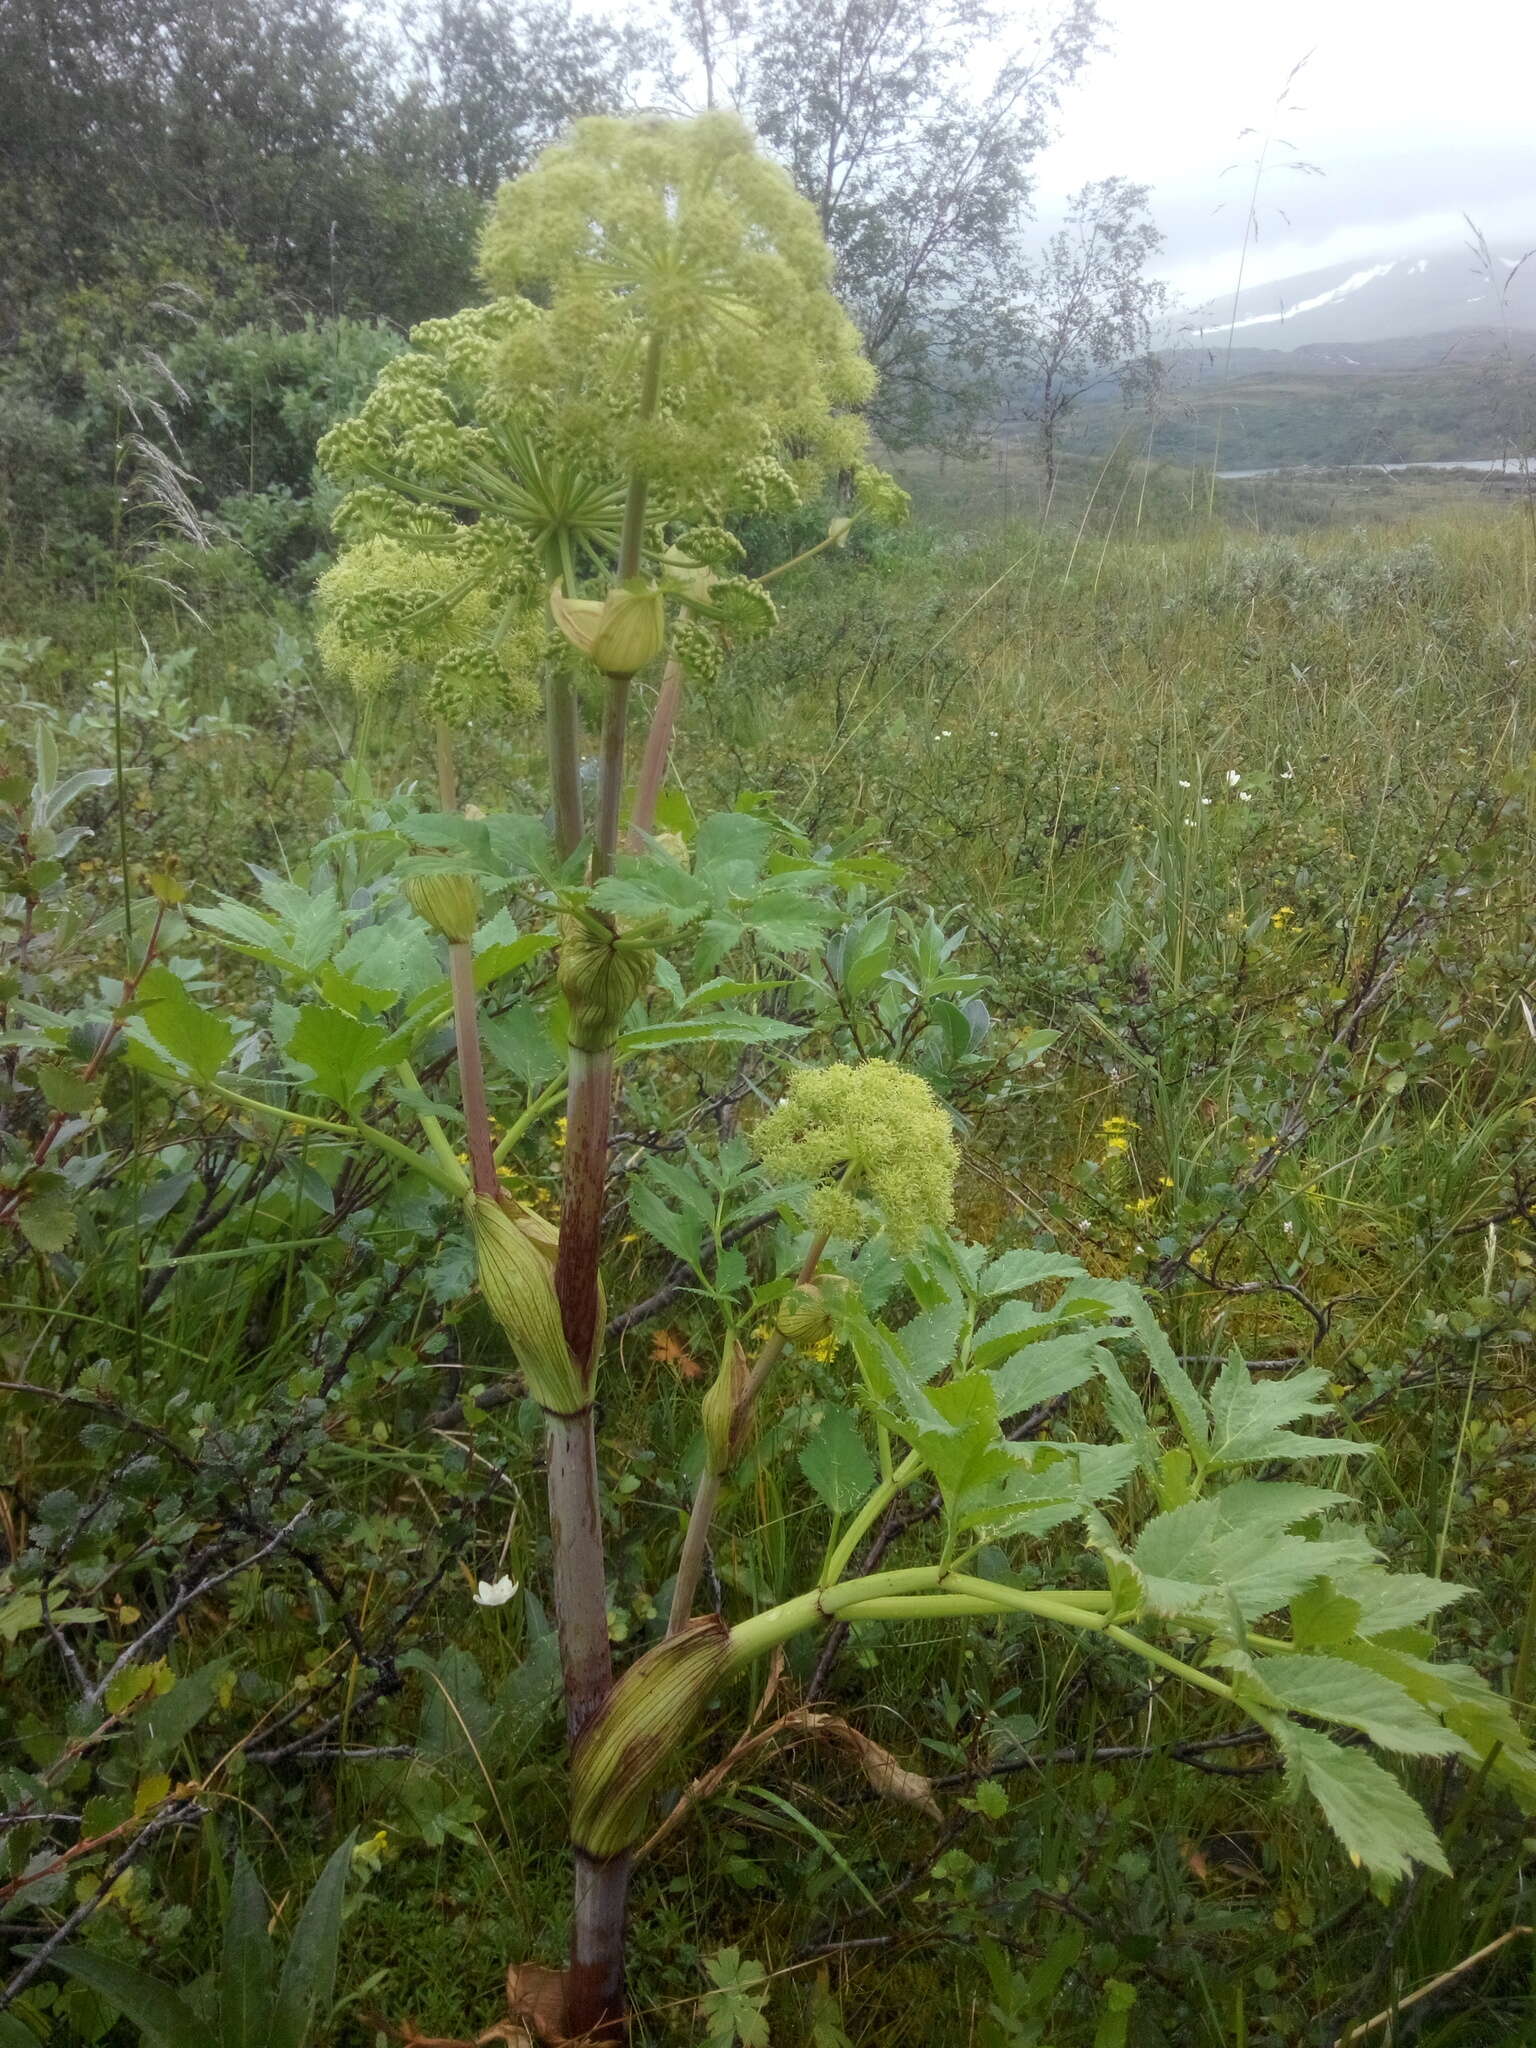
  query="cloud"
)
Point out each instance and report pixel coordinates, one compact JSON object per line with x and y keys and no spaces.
{"x":1395,"y":107}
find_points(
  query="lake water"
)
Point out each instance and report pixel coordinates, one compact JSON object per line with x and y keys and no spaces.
{"x":1511,"y":464}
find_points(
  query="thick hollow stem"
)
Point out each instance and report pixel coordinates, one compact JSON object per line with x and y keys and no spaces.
{"x":562,"y":726}
{"x":690,"y":1564}
{"x":658,"y":746}
{"x":594,"y":1983}
{"x":632,"y":536}
{"x":447,"y":779}
{"x":581,"y":1590}
{"x":610,"y":781}
{"x":477,"y":1116}
{"x":588,"y":1103}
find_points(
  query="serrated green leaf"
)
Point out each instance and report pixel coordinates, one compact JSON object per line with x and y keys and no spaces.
{"x":312,"y":927}
{"x":66,"y":1088}
{"x":1022,"y":1267}
{"x":836,"y":1462}
{"x":681,"y":1235}
{"x":393,"y":960}
{"x":1030,"y":1489}
{"x":647,"y":887}
{"x":727,"y":1027}
{"x":930,"y":1339}
{"x":1249,"y":1418}
{"x":1335,"y":1689}
{"x":786,"y":923}
{"x":1040,"y":1371}
{"x":1322,"y":1616}
{"x":1380,"y":1825}
{"x":1467,"y":1703}
{"x":896,"y":1389}
{"x":1015,"y":1323}
{"x":176,"y":1033}
{"x":519,"y":1039}
{"x":1237,"y":1545}
{"x":46,"y":1217}
{"x":734,"y":838}
{"x":1126,"y":1414}
{"x":341,"y":1055}
{"x":500,"y":948}
{"x":1389,"y":1601}
{"x":1183,"y":1397}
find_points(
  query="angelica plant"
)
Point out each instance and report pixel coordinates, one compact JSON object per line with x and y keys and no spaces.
{"x":539,"y":504}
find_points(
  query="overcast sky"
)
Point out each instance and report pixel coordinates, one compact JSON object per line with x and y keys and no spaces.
{"x":1415,"y":114}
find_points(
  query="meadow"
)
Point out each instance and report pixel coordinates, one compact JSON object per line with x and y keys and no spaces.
{"x":1201,"y":825}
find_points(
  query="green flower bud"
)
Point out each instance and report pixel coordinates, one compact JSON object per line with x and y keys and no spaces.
{"x":638,"y":1733}
{"x":449,"y":903}
{"x":517,"y":1281}
{"x":713,"y":547}
{"x":621,"y":634}
{"x":698,"y":650}
{"x":599,"y":977}
{"x":767,"y":486}
{"x":743,"y":607}
{"x":802,"y":1316}
{"x":880,"y":495}
{"x":718,"y":1409}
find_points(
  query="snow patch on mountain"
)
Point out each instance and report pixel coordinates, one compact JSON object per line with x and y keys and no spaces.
{"x":1445,"y":292}
{"x":1356,"y":283}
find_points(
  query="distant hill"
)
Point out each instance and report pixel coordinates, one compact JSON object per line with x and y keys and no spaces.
{"x":1418,"y":359}
{"x":1445,"y":294}
{"x":1459,"y":348}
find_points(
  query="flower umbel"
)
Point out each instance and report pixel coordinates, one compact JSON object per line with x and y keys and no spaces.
{"x":869,"y":1133}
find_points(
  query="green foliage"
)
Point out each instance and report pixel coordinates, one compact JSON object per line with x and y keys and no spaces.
{"x":252,"y":2000}
{"x":733,"y":2012}
{"x":261,"y":1354}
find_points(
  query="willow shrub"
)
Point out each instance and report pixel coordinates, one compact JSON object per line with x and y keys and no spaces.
{"x":540,"y":500}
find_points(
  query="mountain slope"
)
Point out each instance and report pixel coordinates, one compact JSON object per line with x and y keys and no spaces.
{"x":1444,"y":293}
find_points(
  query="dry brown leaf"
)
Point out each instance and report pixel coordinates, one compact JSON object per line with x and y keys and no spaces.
{"x":512,"y":2032}
{"x":1224,"y":1856}
{"x":667,"y":1348}
{"x":536,"y":1996}
{"x":892,"y":1780}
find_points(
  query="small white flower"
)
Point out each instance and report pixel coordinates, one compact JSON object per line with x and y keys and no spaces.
{"x":1205,"y":799}
{"x":1233,"y":778}
{"x":946,"y":734}
{"x":1189,"y":821}
{"x":496,"y":1593}
{"x":1287,"y":773}
{"x":1182,"y":783}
